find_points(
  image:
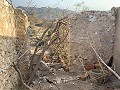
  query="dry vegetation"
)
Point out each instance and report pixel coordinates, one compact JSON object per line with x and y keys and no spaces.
{"x":49,"y":50}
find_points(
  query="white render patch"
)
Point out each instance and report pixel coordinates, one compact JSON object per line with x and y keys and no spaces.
{"x":92,"y":18}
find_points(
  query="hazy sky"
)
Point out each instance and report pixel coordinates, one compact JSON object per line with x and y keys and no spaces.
{"x":69,"y":4}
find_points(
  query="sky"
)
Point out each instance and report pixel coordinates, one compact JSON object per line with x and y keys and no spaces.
{"x":70,"y":4}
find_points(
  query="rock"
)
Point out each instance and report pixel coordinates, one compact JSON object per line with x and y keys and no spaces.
{"x":112,"y":18}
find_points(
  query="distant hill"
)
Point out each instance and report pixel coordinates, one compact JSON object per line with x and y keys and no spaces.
{"x":46,"y":12}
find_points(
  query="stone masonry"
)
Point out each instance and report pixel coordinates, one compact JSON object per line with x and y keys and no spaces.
{"x":13,"y":24}
{"x":99,"y":26}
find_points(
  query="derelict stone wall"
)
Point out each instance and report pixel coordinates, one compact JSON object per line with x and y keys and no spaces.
{"x":117,"y":43}
{"x":99,"y":26}
{"x":9,"y":25}
{"x":22,"y":41}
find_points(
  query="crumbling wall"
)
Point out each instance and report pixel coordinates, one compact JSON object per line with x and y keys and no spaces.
{"x":22,"y":40}
{"x":100,"y":27}
{"x":117,"y":43}
{"x":8,"y":43}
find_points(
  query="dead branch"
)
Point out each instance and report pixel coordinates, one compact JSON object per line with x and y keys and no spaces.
{"x":102,"y":61}
{"x":31,"y":9}
{"x":101,"y":65}
{"x":38,"y":64}
{"x":10,"y":2}
{"x":30,"y":3}
{"x":21,"y":78}
{"x":36,"y":49}
{"x":48,"y":43}
{"x":44,"y":35}
{"x":18,"y":59}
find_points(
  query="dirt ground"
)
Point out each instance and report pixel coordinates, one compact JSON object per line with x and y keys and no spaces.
{"x":58,"y":79}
